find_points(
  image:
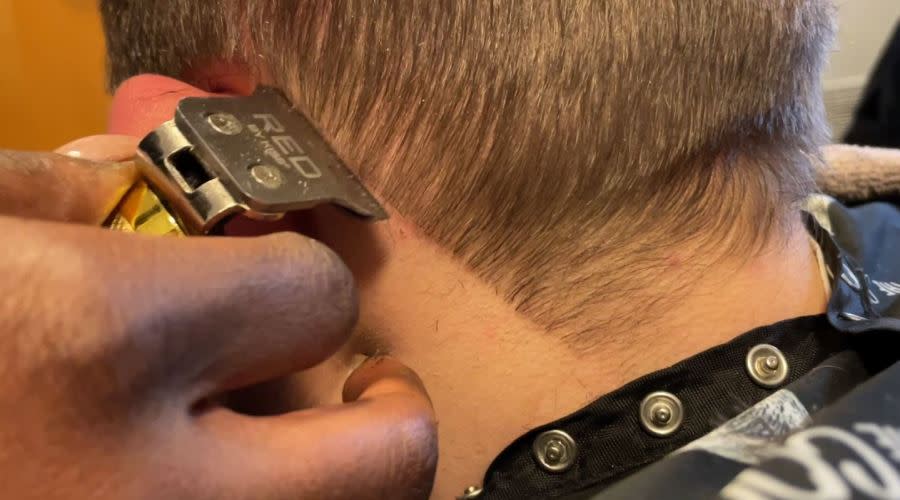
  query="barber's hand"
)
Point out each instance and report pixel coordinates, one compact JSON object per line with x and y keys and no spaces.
{"x":114,"y":346}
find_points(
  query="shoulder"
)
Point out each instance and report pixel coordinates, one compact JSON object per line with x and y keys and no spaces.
{"x":855,"y":174}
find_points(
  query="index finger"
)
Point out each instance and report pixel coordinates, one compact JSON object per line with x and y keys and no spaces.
{"x":197,"y":315}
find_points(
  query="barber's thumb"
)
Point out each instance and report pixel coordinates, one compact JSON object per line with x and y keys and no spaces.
{"x":54,"y":187}
{"x":382,"y":443}
{"x":101,"y":148}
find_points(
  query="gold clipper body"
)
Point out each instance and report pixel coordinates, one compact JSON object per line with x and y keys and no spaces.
{"x":141,"y":211}
{"x":220,"y":157}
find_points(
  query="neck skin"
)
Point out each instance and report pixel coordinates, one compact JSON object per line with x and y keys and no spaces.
{"x":494,"y":375}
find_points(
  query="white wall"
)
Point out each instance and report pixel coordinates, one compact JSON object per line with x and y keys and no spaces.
{"x":863,"y":29}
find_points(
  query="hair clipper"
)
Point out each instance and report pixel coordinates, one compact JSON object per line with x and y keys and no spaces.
{"x":219,"y":157}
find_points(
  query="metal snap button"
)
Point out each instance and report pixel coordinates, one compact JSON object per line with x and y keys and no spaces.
{"x":767,"y":366}
{"x":555,"y":450}
{"x":661,"y":413}
{"x":471,"y":493}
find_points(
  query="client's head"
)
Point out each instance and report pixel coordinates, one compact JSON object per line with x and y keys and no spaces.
{"x":560,"y":174}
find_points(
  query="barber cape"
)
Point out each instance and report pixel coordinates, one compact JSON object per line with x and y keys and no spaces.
{"x":806,"y":408}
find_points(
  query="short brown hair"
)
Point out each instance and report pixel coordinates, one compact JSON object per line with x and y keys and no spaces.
{"x":541,"y":142}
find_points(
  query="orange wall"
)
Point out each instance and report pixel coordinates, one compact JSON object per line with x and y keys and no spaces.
{"x":51,"y":73}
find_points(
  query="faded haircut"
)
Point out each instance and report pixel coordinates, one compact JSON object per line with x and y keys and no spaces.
{"x":547,"y":144}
